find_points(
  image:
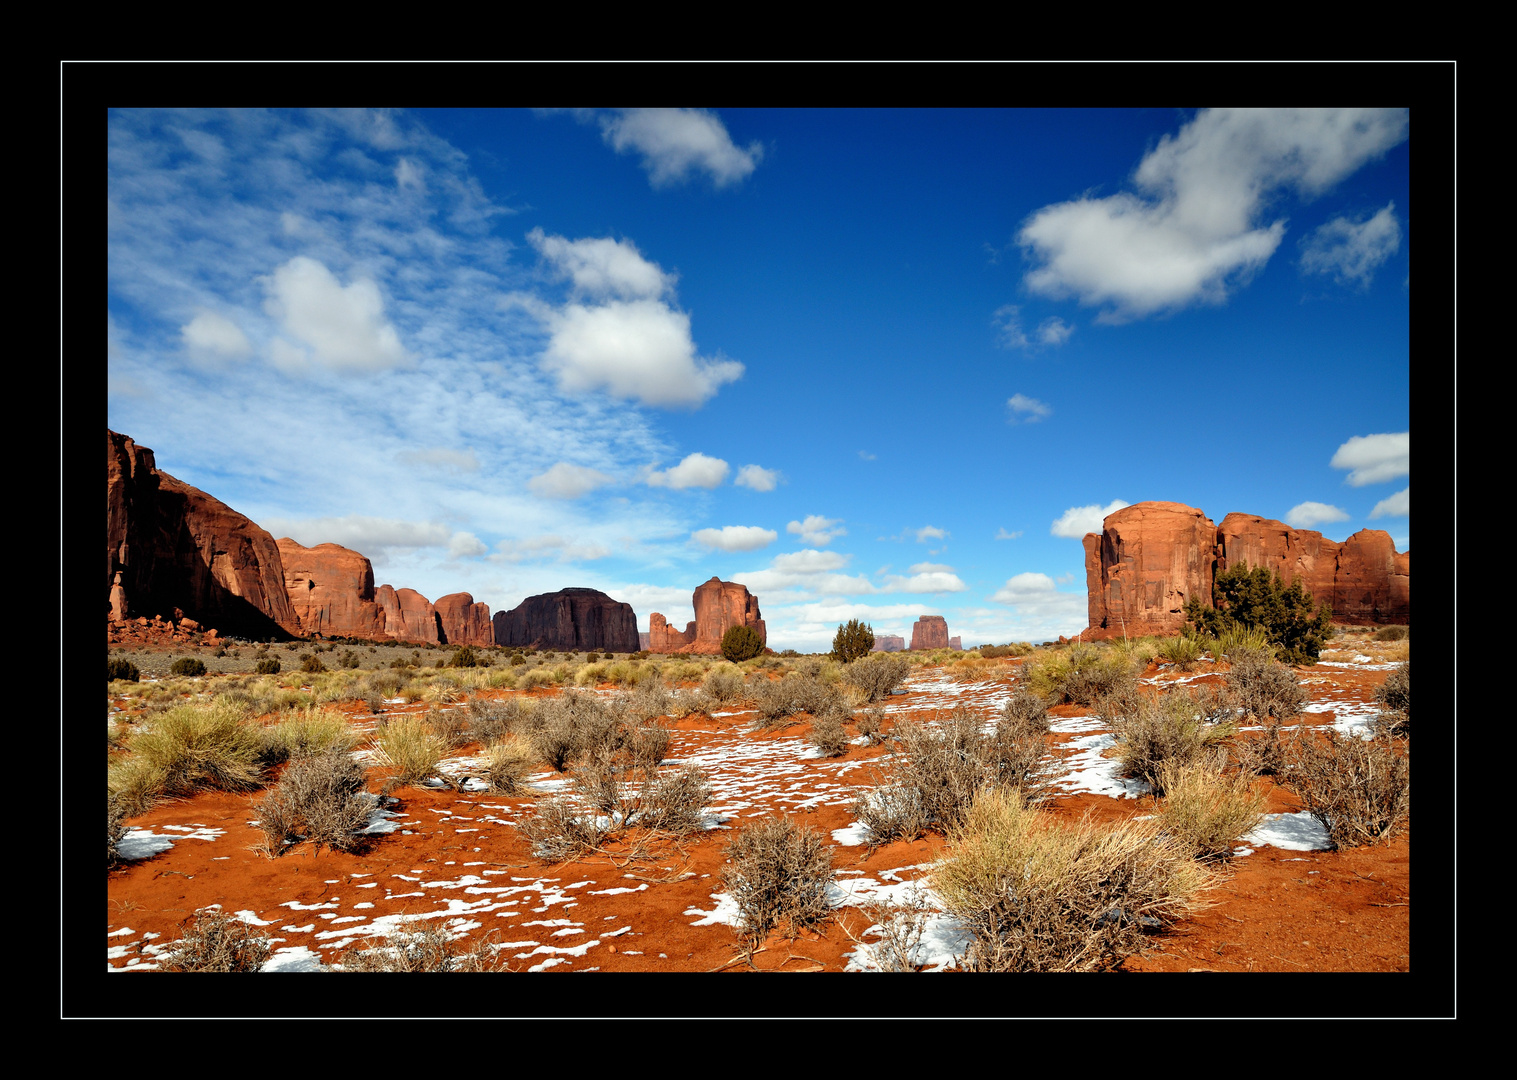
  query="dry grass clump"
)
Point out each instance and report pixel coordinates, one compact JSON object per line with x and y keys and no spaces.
{"x":185,"y":748}
{"x":871,"y":724}
{"x":1263,"y":687}
{"x":1207,"y":810}
{"x":676,"y":802}
{"x":303,"y":732}
{"x":572,"y":727}
{"x":508,"y":760}
{"x":1171,"y":728}
{"x":1359,"y":789}
{"x":319,"y":798}
{"x":560,"y":830}
{"x":877,"y":674}
{"x":778,"y":874}
{"x":1079,"y":674}
{"x":723,"y":683}
{"x":216,"y":941}
{"x":420,"y":946}
{"x":1395,"y":700}
{"x":492,"y":720}
{"x":828,"y":734}
{"x":410,"y":747}
{"x":1039,"y":894}
{"x":939,"y":769}
{"x":779,"y":699}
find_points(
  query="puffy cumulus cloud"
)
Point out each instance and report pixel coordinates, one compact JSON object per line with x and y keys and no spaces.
{"x":209,"y":336}
{"x":1397,"y":505}
{"x":735,"y":537}
{"x":465,"y":545}
{"x":928,"y":568}
{"x":1309,"y":514}
{"x":369,"y":535}
{"x":633,"y":349}
{"x":1351,"y":251}
{"x":756,"y":478}
{"x":1025,"y":588}
{"x":696,"y":470}
{"x":1193,"y":230}
{"x":1375,"y":458}
{"x":676,"y":142}
{"x":930,"y":532}
{"x":817,"y":529}
{"x":1002,"y":534}
{"x":557,"y":548}
{"x":1026,"y":410}
{"x":1079,"y":520}
{"x":565,"y":481}
{"x":343,"y":327}
{"x":809,"y":572}
{"x":925,"y":578}
{"x":440,"y":457}
{"x":602,"y":267}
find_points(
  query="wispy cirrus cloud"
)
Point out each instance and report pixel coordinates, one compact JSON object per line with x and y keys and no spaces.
{"x":1351,"y":251}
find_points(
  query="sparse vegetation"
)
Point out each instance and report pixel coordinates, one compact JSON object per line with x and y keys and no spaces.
{"x":423,"y":945}
{"x":1395,"y":700}
{"x":1171,"y":729}
{"x":115,"y":828}
{"x":464,"y":657}
{"x":216,"y":941}
{"x":269,"y":665}
{"x":1039,"y":894}
{"x":187,"y":666}
{"x":1078,"y":674}
{"x":828,"y":735}
{"x":1263,"y":688}
{"x":411,"y":748}
{"x":188,"y":747}
{"x":778,"y":874}
{"x":1206,"y":809}
{"x":877,"y":674}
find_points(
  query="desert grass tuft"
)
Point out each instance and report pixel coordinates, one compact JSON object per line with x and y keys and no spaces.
{"x":1206,"y":809}
{"x":410,"y":747}
{"x":185,"y":748}
{"x":422,"y":945}
{"x":1171,"y":728}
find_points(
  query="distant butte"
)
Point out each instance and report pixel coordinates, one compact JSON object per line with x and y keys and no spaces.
{"x":719,"y":606}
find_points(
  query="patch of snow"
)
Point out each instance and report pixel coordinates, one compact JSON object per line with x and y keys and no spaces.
{"x":1292,"y":832}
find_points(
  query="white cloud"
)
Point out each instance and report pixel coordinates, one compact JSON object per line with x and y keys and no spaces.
{"x":1194,"y":230}
{"x":1351,"y":251}
{"x":930,"y":532}
{"x":439,"y":457}
{"x":344,"y":326}
{"x":736,"y":537}
{"x":929,"y":568}
{"x":565,"y":481}
{"x":410,"y":175}
{"x":865,"y":455}
{"x":1397,"y":505}
{"x":1008,"y":320}
{"x":1079,"y":520}
{"x":1054,"y":331}
{"x":673,"y":142}
{"x":602,"y":267}
{"x":1002,"y":534}
{"x":817,"y":529}
{"x":1375,"y":458}
{"x":1309,"y":514}
{"x":366,"y":535}
{"x":209,"y":336}
{"x":1026,"y":588}
{"x":1027,"y":410}
{"x":550,"y":546}
{"x":752,"y":476}
{"x":634,"y":349}
{"x":465,"y":545}
{"x":939,"y":580}
{"x":696,"y":470}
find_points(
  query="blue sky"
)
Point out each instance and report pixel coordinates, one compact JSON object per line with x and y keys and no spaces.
{"x":874,"y":364}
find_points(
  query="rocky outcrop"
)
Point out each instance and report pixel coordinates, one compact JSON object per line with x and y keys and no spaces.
{"x":719,"y":606}
{"x":571,"y":620}
{"x":1151,"y":556}
{"x":409,"y":616}
{"x":956,"y":643}
{"x":888,"y":643}
{"x":463,"y":622}
{"x":930,"y":632}
{"x":171,"y":546}
{"x":1142,"y":566}
{"x":332,"y":591}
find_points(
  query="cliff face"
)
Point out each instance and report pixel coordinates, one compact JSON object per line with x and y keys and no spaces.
{"x":930,"y":632}
{"x":463,"y":621}
{"x":170,"y":545}
{"x":331,"y":589}
{"x":719,"y":606}
{"x":1151,"y":556}
{"x":409,"y":616}
{"x":571,"y":620}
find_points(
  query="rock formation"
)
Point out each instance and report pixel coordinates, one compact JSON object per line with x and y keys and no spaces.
{"x":409,"y":616}
{"x":331,"y":589}
{"x":1151,"y":556}
{"x":463,"y":622}
{"x":888,"y":643}
{"x":170,"y":545}
{"x":956,"y":643}
{"x":719,"y":606}
{"x":571,"y":620}
{"x":930,"y":632}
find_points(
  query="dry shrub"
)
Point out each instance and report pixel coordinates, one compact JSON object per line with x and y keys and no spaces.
{"x":778,"y":874}
{"x":1359,"y":789}
{"x":1207,"y":810}
{"x":899,"y":928}
{"x":420,"y":946}
{"x":648,"y":744}
{"x":1395,"y":700}
{"x":451,"y":726}
{"x":777,"y":700}
{"x":1080,"y":674}
{"x":1040,"y":894}
{"x":319,"y":798}
{"x":1267,"y":754}
{"x":560,"y":830}
{"x":115,"y":828}
{"x":828,"y":735}
{"x":493,"y":720}
{"x":1026,"y":713}
{"x":723,"y":683}
{"x":676,"y":801}
{"x":215,"y":941}
{"x":877,"y":674}
{"x":1262,"y":687}
{"x":1169,"y":729}
{"x":507,"y":761}
{"x":572,"y":727}
{"x":871,"y":724}
{"x":302,"y":732}
{"x":411,"y":748}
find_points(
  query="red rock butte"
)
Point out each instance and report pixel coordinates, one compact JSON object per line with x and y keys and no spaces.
{"x":719,"y":606}
{"x":1149,"y":558}
{"x":930,"y":632}
{"x":573,"y":620}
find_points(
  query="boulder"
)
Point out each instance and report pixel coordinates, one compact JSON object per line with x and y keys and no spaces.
{"x":570,"y":620}
{"x":331,"y":589}
{"x":462,"y":621}
{"x":719,"y":606}
{"x":171,"y":546}
{"x":930,"y":632}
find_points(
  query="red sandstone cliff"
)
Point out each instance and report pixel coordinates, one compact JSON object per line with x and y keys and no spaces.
{"x":170,"y":545}
{"x":930,"y":632}
{"x":1151,"y":556}
{"x":331,"y":589}
{"x":719,"y":606}
{"x":409,"y":616}
{"x":463,"y":621}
